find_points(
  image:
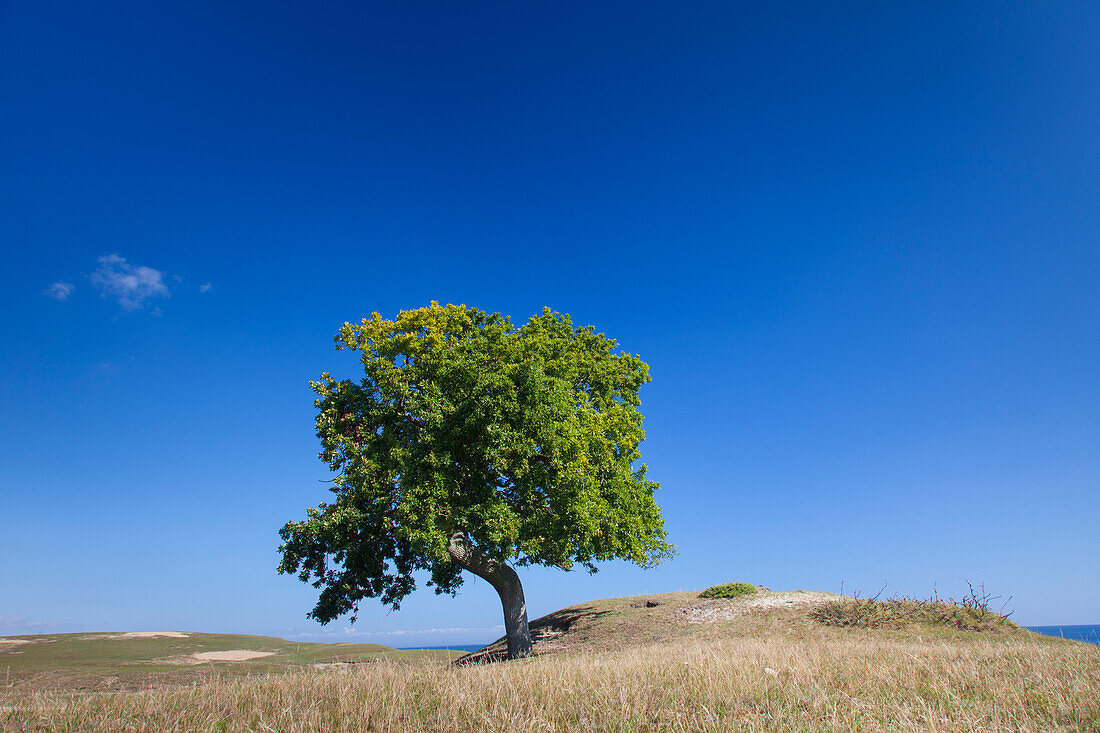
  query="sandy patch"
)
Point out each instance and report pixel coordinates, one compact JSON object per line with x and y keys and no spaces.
{"x":14,"y":642}
{"x":341,"y":667}
{"x":134,"y":635}
{"x":727,"y":609}
{"x":234,"y":655}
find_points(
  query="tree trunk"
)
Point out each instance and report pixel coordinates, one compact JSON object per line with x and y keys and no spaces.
{"x":506,"y":582}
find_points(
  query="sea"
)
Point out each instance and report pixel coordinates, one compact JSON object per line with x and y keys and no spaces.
{"x":1089,"y":633}
{"x":454,"y":647}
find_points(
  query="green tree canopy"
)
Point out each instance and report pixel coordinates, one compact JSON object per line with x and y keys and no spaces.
{"x":471,"y":444}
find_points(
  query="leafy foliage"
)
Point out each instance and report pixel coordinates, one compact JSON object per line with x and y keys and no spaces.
{"x":526,"y":439}
{"x":729,"y":590}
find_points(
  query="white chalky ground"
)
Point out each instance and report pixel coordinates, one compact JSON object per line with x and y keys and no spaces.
{"x":725,"y":609}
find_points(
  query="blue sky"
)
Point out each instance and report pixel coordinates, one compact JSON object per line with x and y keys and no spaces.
{"x":856,"y":244}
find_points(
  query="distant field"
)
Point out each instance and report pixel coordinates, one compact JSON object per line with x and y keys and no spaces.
{"x":117,"y":661}
{"x":654,"y":663}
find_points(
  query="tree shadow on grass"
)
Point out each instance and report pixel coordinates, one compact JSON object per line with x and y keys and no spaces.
{"x":545,"y":633}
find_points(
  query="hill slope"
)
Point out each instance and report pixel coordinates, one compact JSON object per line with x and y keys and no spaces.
{"x":615,"y":624}
{"x":104,"y":661}
{"x":674,"y":661}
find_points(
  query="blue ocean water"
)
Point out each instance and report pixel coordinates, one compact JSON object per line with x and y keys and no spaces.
{"x":1087,"y":633}
{"x":453,"y":647}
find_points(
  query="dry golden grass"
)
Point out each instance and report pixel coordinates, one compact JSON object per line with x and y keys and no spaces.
{"x":844,"y":681}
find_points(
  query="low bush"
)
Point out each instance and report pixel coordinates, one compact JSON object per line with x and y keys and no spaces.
{"x":729,"y":590}
{"x":972,"y":613}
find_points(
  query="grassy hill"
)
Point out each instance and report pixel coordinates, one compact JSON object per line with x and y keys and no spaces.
{"x":114,"y":661}
{"x":795,"y":661}
{"x":619,"y":623}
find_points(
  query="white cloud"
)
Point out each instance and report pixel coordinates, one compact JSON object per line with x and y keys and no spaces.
{"x":59,"y":290}
{"x":18,"y":625}
{"x":205,"y":288}
{"x":130,"y":285}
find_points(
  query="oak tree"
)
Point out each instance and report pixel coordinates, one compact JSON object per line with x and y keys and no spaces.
{"x":473,"y":445}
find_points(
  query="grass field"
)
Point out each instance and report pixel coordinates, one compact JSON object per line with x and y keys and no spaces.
{"x":102,"y":662}
{"x":755,"y":664}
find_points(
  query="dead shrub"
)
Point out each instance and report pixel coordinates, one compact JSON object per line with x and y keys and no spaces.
{"x":972,"y":613}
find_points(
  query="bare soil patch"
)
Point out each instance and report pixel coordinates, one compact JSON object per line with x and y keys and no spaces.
{"x":233,"y":655}
{"x":710,"y":611}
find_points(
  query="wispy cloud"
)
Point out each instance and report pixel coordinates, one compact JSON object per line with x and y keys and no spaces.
{"x":205,"y":288}
{"x":59,"y":290}
{"x":129,"y":284}
{"x":16,"y":625}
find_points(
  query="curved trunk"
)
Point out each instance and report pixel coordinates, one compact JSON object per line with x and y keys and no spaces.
{"x":506,"y":582}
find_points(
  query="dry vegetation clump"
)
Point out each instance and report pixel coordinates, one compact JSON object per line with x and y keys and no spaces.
{"x":972,"y":613}
{"x":850,"y":681}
